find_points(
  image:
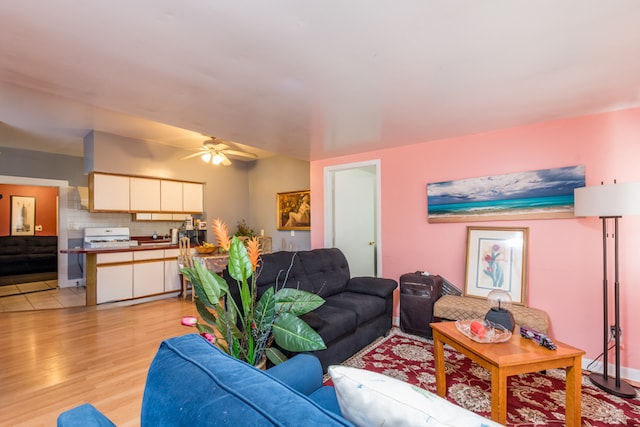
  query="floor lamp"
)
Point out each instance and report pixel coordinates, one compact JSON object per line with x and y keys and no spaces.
{"x":610,"y":201}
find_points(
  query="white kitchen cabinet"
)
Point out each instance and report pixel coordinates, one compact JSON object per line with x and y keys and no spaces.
{"x":170,"y":196}
{"x":148,"y":273}
{"x":108,"y":193}
{"x":114,"y":277}
{"x":192,"y":197}
{"x":171,"y":270}
{"x":115,"y":283}
{"x":144,"y":194}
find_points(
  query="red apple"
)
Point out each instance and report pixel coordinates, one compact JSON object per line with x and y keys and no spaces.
{"x":478,"y":329}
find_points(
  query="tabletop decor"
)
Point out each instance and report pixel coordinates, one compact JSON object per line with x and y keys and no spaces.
{"x":246,"y":329}
{"x":483,"y":331}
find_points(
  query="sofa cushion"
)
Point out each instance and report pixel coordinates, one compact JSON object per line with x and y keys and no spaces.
{"x":327,"y":269}
{"x":191,"y":382}
{"x":366,"y":307}
{"x":339,"y":322}
{"x":371,"y":399}
{"x":282,"y":268}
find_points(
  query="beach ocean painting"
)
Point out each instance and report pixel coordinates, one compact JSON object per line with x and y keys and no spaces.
{"x":541,"y":194}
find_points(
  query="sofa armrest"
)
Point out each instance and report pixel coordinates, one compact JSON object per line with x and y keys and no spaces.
{"x":376,"y":286}
{"x":85,"y":415}
{"x":302,"y":372}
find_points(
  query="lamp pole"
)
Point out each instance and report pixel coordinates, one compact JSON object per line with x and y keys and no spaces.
{"x":615,"y":385}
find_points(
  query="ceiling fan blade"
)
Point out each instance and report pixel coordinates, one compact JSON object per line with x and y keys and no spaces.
{"x":225,"y":160}
{"x":220,"y":147}
{"x":241,"y":153}
{"x":199,"y":153}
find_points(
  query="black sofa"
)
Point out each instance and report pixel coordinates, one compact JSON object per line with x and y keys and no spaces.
{"x":356,"y":310}
{"x":28,"y":254}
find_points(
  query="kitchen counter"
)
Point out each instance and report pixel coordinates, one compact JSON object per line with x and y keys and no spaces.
{"x":145,"y":271}
{"x":143,"y":247}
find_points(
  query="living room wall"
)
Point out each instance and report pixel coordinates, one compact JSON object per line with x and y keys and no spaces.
{"x":270,"y":176}
{"x":565,"y":255}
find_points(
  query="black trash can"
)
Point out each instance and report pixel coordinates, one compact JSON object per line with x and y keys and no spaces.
{"x":418,"y":293}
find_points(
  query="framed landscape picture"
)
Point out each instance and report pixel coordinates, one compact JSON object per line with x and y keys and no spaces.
{"x":539,"y":194}
{"x":497,"y":259}
{"x":294,"y":210}
{"x":23,"y":211}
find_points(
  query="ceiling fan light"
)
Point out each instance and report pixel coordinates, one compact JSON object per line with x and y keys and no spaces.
{"x":217,"y":159}
{"x":206,"y":157}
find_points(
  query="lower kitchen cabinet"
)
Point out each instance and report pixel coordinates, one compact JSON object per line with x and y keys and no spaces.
{"x":171,"y":270}
{"x":121,"y":276}
{"x":117,"y":283}
{"x":148,"y":273}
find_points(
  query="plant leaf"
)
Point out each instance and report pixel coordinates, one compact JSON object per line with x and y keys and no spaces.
{"x":275,"y":356}
{"x":265,"y":310}
{"x":208,"y":286}
{"x":293,"y":334}
{"x":296,"y":301}
{"x":239,"y":265}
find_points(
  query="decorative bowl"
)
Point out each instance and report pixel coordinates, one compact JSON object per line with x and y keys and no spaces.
{"x":483,"y":331}
{"x":205,"y":250}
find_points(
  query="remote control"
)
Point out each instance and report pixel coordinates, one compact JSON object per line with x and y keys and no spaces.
{"x":537,"y":336}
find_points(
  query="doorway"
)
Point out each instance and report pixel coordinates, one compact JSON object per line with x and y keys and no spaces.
{"x":22,"y":298}
{"x":352,"y":215}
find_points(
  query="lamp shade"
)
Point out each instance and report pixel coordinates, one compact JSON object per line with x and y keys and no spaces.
{"x":607,"y":200}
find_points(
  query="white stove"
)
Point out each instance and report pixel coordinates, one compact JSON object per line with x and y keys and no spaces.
{"x":108,"y":238}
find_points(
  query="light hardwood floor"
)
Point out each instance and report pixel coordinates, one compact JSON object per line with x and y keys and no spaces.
{"x":53,"y":360}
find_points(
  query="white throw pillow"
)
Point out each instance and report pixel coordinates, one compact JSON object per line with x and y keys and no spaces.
{"x":371,"y":399}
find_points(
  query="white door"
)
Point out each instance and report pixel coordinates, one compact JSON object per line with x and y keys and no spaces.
{"x":352,"y":215}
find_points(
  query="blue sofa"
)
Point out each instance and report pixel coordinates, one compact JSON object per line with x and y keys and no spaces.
{"x":192,"y":383}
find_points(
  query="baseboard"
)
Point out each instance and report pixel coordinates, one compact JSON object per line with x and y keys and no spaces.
{"x":626,"y":373}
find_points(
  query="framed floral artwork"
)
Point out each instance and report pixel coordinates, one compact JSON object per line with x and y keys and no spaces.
{"x":497,"y":259}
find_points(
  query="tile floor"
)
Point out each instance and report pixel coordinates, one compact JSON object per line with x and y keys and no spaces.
{"x":40,"y":295}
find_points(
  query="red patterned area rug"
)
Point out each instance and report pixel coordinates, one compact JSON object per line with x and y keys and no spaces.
{"x":535,"y":399}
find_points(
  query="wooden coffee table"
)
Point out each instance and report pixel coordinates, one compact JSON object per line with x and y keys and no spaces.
{"x":516,"y":356}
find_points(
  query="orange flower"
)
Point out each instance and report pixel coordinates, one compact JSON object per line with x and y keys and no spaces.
{"x":253,"y":250}
{"x":222,"y":234}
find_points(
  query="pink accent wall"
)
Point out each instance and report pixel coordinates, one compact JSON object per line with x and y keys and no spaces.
{"x":565,"y":255}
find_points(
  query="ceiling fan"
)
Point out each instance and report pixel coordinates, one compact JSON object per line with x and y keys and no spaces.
{"x":215,"y":150}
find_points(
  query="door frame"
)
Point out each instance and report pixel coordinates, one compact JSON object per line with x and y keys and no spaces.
{"x":62,"y":232}
{"x":329,"y":182}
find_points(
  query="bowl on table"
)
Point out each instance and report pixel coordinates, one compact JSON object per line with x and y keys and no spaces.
{"x":206,"y":250}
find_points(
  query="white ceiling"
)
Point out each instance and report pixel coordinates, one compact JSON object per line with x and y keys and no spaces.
{"x":307,"y":79}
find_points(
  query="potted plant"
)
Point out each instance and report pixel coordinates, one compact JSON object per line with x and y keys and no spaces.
{"x":246,"y":328}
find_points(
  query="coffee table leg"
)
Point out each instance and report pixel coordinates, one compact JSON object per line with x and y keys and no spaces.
{"x":573,"y":393}
{"x":438,"y":359}
{"x":498,"y":396}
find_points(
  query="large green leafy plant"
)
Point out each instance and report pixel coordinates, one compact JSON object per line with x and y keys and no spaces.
{"x":246,"y":328}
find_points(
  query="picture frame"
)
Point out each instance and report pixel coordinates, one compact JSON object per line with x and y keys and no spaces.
{"x":527,"y":195}
{"x":293,"y":210}
{"x":496,"y":258}
{"x":23,"y":212}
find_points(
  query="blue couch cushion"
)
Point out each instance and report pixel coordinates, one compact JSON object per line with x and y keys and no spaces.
{"x":191,"y":382}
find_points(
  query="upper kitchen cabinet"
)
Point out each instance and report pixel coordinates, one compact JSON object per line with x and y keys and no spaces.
{"x":192,"y":197}
{"x":108,"y":193}
{"x":136,"y":194}
{"x":171,"y":196}
{"x":144,"y":194}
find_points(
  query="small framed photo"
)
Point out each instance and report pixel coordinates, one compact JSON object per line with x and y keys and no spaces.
{"x":294,"y":210}
{"x":497,"y":259}
{"x":23,"y":212}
